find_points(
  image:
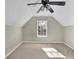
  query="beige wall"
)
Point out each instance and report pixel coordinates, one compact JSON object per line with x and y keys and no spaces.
{"x":13,"y":36}
{"x":69,"y":35}
{"x":55,"y":30}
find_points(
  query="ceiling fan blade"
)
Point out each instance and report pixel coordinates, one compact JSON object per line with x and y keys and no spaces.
{"x":33,"y":3}
{"x":39,"y":9}
{"x":49,"y":8}
{"x":61,"y":3}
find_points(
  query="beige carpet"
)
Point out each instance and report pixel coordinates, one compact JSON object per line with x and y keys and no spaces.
{"x":34,"y":51}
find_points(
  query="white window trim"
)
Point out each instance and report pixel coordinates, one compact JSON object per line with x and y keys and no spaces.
{"x":46,"y":29}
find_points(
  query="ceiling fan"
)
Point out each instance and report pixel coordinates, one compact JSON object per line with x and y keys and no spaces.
{"x":46,"y":4}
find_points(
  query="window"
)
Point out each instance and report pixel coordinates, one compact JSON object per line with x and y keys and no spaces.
{"x":41,"y":28}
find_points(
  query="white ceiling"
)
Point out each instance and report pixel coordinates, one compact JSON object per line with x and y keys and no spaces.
{"x":18,"y":13}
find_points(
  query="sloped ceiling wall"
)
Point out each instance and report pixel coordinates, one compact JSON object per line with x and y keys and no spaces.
{"x":18,"y":13}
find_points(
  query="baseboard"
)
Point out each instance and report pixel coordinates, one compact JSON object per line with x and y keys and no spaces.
{"x":68,"y":45}
{"x":39,"y":42}
{"x":13,"y":49}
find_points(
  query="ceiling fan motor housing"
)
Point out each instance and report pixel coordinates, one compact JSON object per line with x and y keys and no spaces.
{"x":44,"y":2}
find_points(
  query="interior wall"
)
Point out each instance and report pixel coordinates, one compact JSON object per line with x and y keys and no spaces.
{"x":69,"y":36}
{"x":55,"y":30}
{"x":13,"y":36}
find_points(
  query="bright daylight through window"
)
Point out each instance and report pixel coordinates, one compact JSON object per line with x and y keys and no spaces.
{"x":53,"y":53}
{"x":41,"y":28}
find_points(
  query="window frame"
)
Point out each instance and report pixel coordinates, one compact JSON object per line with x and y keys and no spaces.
{"x":45,"y":28}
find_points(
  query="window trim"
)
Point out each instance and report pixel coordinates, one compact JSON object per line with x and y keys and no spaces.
{"x":46,"y":29}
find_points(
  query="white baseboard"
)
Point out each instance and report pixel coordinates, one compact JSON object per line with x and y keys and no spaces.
{"x":39,"y":42}
{"x":13,"y":49}
{"x":68,"y":45}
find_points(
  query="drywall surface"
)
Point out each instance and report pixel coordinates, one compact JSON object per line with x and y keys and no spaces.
{"x":69,"y":35}
{"x":13,"y":36}
{"x":54,"y":30}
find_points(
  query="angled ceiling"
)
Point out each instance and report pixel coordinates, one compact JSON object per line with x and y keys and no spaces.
{"x":18,"y":13}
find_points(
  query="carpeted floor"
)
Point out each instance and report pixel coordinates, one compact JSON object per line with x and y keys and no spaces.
{"x":34,"y":51}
